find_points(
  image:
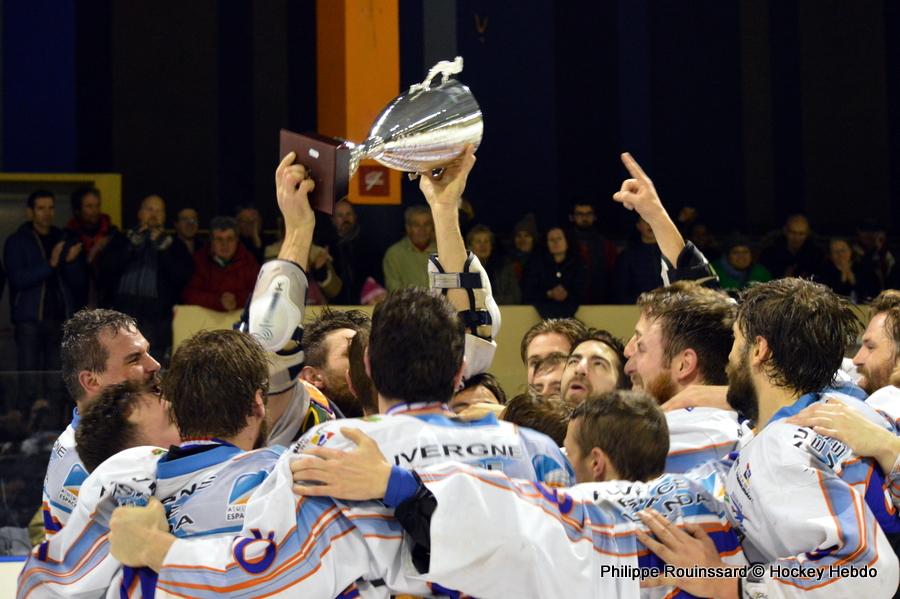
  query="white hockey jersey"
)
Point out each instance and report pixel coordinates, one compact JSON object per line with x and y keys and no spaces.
{"x":62,"y":483}
{"x":492,"y":536}
{"x":75,"y":562}
{"x":419,"y":434}
{"x":698,"y":435}
{"x":800,"y":499}
{"x":411,"y":436}
{"x":204,"y":493}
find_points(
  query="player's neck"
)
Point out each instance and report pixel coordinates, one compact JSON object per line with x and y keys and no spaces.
{"x":771,"y":399}
{"x":387,"y":404}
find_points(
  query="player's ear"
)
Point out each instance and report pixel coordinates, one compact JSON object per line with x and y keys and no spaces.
{"x":761,"y":351}
{"x":89,"y":381}
{"x":687,"y":365}
{"x":458,"y":379}
{"x":312,"y":376}
{"x":259,"y":405}
{"x":599,"y":464}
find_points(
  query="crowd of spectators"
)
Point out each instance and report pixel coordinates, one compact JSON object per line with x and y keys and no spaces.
{"x":147,"y":269}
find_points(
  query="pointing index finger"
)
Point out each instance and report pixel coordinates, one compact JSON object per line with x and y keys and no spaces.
{"x":633,"y":167}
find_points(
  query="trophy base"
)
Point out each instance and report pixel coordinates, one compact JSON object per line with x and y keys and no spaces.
{"x":328,"y":161}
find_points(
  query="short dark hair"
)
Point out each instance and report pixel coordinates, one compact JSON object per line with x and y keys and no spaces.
{"x":570,"y":328}
{"x":328,"y":321}
{"x":104,"y":429}
{"x":39,"y":193}
{"x":476,"y":230}
{"x":223,"y":223}
{"x":81,"y":348}
{"x":212,"y":381}
{"x":615,"y":344}
{"x":489,"y":382}
{"x":631,"y":430}
{"x":888,"y":302}
{"x":416,"y":346}
{"x":807,"y":327}
{"x":78,"y":196}
{"x":695,"y":317}
{"x":531,"y":411}
{"x":363,"y":387}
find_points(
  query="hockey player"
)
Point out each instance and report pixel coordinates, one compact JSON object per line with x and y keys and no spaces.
{"x":804,"y":502}
{"x":99,"y":348}
{"x":415,"y":358}
{"x":879,"y":353}
{"x":216,"y":384}
{"x":586,"y":536}
{"x":682,"y":338}
{"x":596,"y":365}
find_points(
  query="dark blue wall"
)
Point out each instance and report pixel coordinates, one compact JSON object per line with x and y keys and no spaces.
{"x":747,"y":110}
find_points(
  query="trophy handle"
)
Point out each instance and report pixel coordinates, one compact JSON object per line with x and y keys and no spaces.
{"x":445,"y":68}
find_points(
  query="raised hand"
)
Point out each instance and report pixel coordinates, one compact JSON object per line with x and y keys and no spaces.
{"x":447,"y":188}
{"x":638,"y":192}
{"x":292,"y":187}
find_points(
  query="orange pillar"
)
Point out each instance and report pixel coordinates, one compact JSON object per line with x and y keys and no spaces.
{"x":358,"y":66}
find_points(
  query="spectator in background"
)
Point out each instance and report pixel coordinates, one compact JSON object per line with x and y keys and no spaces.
{"x":144,"y":275}
{"x":355,"y":261}
{"x":249,"y":224}
{"x":187,"y":223}
{"x":555,"y":280}
{"x":184,"y":245}
{"x":703,"y":239}
{"x":639,"y":266}
{"x":792,"y":253}
{"x":524,"y":236}
{"x":405,"y":263}
{"x":597,"y":254}
{"x":504,"y":285}
{"x":872,"y":254}
{"x":735,"y":268}
{"x":93,"y":229}
{"x":46,"y":270}
{"x":225,"y":272}
{"x":856,"y":281}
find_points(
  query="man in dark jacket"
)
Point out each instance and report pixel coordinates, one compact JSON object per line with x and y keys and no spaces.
{"x":46,"y":270}
{"x":143,"y":276}
{"x":597,"y":253}
{"x":94,"y":230}
{"x":354,"y":260}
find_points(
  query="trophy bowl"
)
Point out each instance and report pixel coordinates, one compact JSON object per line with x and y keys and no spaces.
{"x":421,"y":130}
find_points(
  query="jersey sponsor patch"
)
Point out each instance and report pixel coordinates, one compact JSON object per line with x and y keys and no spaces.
{"x":68,"y":494}
{"x":241,"y":491}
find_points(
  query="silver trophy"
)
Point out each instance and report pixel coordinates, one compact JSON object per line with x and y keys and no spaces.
{"x":425,"y":128}
{"x":421,"y":130}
